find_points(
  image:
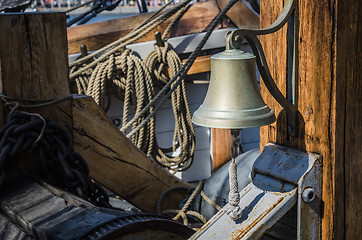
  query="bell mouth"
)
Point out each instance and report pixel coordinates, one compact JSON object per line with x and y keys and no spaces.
{"x":236,"y":119}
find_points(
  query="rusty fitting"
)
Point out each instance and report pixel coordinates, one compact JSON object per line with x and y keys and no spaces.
{"x":308,"y":195}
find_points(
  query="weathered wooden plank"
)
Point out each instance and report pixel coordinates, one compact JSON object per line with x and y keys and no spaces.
{"x":348,"y":151}
{"x":314,"y":96}
{"x":34,"y":59}
{"x":328,"y":100}
{"x":118,"y":164}
{"x":97,"y":35}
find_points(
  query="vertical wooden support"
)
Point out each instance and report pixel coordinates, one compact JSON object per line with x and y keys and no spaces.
{"x":221,"y":145}
{"x":328,"y":100}
{"x":34,"y":61}
{"x":34,"y":65}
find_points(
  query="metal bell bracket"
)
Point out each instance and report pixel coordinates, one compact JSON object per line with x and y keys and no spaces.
{"x":281,"y":178}
{"x":235,"y":38}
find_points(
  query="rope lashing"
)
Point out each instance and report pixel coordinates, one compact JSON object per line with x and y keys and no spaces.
{"x":158,"y":61}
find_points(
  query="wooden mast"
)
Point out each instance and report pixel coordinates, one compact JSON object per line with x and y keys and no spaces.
{"x":329,"y":96}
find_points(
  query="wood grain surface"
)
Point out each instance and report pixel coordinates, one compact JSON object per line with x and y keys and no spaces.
{"x":97,"y":35}
{"x":328,"y":100}
{"x":117,"y":163}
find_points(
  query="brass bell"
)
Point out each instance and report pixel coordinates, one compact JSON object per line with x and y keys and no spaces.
{"x":233,"y":100}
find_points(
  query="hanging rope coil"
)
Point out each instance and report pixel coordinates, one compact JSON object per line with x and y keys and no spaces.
{"x":159,"y":61}
{"x":145,"y":116}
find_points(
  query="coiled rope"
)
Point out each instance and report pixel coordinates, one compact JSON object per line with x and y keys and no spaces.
{"x":171,"y":85}
{"x":100,"y":64}
{"x":128,"y":75}
{"x":158,"y":61}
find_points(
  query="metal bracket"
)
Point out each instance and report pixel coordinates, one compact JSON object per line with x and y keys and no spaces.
{"x":282,"y":177}
{"x":236,"y":37}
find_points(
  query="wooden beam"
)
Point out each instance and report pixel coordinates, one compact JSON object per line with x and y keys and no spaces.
{"x":328,"y":100}
{"x":117,"y":163}
{"x":201,"y":65}
{"x":240,"y":15}
{"x":348,"y":102}
{"x":221,"y":147}
{"x":97,"y":35}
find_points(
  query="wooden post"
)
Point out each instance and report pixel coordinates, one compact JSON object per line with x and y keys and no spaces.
{"x":33,"y":65}
{"x":329,"y":100}
{"x":221,"y":147}
{"x":34,"y":61}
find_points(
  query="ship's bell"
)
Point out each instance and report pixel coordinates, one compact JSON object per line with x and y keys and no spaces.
{"x":233,"y":100}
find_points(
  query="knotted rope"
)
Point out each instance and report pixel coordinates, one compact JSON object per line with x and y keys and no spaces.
{"x":234,"y":210}
{"x":59,"y":164}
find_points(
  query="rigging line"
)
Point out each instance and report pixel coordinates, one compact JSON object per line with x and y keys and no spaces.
{"x":176,"y":80}
{"x":47,"y":102}
{"x":153,"y":16}
{"x":152,"y":24}
{"x":79,"y":6}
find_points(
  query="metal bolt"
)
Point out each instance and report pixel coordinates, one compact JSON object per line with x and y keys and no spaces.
{"x":117,"y":122}
{"x":308,"y":195}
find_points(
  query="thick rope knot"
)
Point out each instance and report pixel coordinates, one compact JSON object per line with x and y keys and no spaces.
{"x":234,"y":210}
{"x":58,"y":163}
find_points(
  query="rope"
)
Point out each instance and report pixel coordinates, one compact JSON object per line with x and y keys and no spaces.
{"x":234,"y":210}
{"x":175,"y":20}
{"x":158,"y":61}
{"x":135,"y":88}
{"x":209,"y":201}
{"x":15,"y":105}
{"x":166,"y":91}
{"x":184,"y":212}
{"x":188,"y":202}
{"x":124,"y":41}
{"x":144,"y":114}
{"x":47,"y":102}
